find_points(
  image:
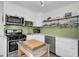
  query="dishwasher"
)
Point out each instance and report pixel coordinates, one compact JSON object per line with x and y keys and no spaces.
{"x":51,"y":41}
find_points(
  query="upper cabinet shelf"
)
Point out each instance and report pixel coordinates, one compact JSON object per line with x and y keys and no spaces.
{"x":61,"y":18}
{"x":71,"y":21}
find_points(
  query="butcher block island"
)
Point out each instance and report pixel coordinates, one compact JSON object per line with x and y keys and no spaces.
{"x":33,"y":48}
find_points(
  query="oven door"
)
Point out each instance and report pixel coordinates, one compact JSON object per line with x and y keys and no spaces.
{"x":13,"y":46}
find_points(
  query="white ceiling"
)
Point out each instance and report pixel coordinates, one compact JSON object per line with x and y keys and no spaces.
{"x":48,"y":5}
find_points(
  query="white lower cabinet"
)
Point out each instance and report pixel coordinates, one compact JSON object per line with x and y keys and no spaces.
{"x":66,"y":47}
{"x":3,"y":46}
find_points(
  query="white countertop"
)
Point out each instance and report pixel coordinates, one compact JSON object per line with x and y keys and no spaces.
{"x":54,"y":36}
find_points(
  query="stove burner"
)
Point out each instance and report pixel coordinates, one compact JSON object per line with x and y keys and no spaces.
{"x":14,"y":34}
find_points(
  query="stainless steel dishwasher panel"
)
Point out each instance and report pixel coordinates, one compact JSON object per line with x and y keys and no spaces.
{"x":51,"y":41}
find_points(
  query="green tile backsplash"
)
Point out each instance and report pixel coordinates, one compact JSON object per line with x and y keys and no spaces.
{"x":66,"y":32}
{"x":24,"y":28}
{"x":27,"y":29}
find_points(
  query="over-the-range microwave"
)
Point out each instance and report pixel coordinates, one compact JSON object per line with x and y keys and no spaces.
{"x":14,"y":20}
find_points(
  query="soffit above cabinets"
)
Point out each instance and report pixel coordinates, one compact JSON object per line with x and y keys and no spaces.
{"x":48,"y":5}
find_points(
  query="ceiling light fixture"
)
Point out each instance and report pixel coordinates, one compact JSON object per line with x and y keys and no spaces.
{"x":42,"y":4}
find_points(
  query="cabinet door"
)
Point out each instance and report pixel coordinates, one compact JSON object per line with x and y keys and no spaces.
{"x":66,"y":47}
{"x":3,"y":46}
{"x":52,"y":44}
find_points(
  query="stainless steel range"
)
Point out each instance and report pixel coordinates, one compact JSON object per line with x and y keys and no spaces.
{"x":13,"y":36}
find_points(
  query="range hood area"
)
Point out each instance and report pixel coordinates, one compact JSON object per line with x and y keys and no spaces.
{"x":36,"y":30}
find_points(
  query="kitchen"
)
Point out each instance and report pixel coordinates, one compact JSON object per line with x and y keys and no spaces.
{"x":54,"y":24}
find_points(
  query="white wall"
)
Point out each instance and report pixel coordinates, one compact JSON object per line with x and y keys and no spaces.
{"x":2,"y":48}
{"x":39,"y":19}
{"x":17,"y":10}
{"x":1,"y":24}
{"x":74,"y":8}
{"x":1,"y":6}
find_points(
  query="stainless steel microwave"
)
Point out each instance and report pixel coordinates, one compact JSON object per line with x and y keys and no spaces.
{"x":14,"y":20}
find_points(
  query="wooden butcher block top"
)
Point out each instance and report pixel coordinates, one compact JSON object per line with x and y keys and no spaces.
{"x":33,"y":44}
